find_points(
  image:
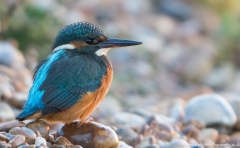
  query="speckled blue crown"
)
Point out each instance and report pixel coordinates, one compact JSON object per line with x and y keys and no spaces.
{"x":79,"y":31}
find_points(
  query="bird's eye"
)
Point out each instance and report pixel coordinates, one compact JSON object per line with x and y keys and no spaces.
{"x":89,"y":41}
{"x":92,"y":41}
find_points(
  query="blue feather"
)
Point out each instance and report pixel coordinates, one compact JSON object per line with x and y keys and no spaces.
{"x":34,"y":102}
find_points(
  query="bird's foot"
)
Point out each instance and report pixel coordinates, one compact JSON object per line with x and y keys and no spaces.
{"x":90,"y":119}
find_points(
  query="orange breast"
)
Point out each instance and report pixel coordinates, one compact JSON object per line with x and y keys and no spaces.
{"x":86,"y":104}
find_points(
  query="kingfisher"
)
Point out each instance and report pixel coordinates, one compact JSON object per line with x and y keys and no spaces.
{"x":70,"y":83}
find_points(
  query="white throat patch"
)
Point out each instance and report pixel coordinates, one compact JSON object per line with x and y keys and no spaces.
{"x":66,"y":46}
{"x":102,"y":51}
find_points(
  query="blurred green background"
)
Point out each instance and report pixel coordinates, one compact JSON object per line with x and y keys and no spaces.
{"x":189,"y":47}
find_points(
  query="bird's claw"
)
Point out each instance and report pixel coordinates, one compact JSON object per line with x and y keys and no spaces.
{"x":90,"y":119}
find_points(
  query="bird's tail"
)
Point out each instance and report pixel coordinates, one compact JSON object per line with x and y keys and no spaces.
{"x":24,"y":114}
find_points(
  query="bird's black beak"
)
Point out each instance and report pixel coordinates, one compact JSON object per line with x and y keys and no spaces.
{"x":114,"y":43}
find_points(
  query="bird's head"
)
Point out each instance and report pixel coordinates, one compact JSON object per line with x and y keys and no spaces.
{"x":87,"y":38}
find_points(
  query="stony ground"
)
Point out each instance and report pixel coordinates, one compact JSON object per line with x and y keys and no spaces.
{"x":167,"y":93}
{"x":210,"y":120}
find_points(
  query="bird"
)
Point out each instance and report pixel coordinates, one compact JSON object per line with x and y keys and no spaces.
{"x":70,"y":82}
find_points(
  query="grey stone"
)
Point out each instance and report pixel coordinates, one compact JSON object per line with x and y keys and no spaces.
{"x":10,"y":56}
{"x":210,"y":109}
{"x":122,"y":144}
{"x":221,"y":77}
{"x":6,"y":112}
{"x":146,"y":142}
{"x":128,"y":119}
{"x":176,"y":143}
{"x":41,"y":142}
{"x":234,"y":101}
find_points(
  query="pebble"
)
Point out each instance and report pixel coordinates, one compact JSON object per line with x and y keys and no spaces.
{"x":55,"y":126}
{"x":63,"y":141}
{"x":128,"y":119}
{"x":5,"y":92}
{"x":142,"y":112}
{"x":176,"y":143}
{"x":191,"y":131}
{"x":50,"y":138}
{"x":5,"y":145}
{"x":234,"y":101}
{"x":209,"y":133}
{"x":216,"y":81}
{"x":223,"y":139}
{"x":163,"y":130}
{"x":77,"y":146}
{"x":10,"y":56}
{"x":9,"y":125}
{"x":6,"y":112}
{"x":89,"y":135}
{"x":26,"y":132}
{"x":128,"y":135}
{"x":49,"y":144}
{"x":173,"y":108}
{"x":17,"y":140}
{"x":10,"y":136}
{"x":210,"y":109}
{"x":152,"y":146}
{"x":185,"y":61}
{"x":25,"y":144}
{"x":57,"y":146}
{"x":5,"y":138}
{"x":40,"y":142}
{"x":40,"y":126}
{"x":197,"y":123}
{"x":234,"y":141}
{"x":122,"y":144}
{"x":146,"y":142}
{"x":207,"y":143}
{"x":18,"y":100}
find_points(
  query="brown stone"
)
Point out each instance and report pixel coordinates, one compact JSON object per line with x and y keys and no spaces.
{"x":5,"y":138}
{"x":28,"y":133}
{"x":161,"y":129}
{"x":90,"y":135}
{"x":18,"y":140}
{"x":40,"y":126}
{"x":223,"y":139}
{"x":198,"y":124}
{"x":63,"y":141}
{"x":191,"y":131}
{"x":50,"y":138}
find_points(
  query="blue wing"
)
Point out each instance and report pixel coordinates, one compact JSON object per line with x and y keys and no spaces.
{"x":60,"y":80}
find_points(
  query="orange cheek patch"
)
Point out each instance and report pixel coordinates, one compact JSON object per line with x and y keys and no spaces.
{"x":78,"y":44}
